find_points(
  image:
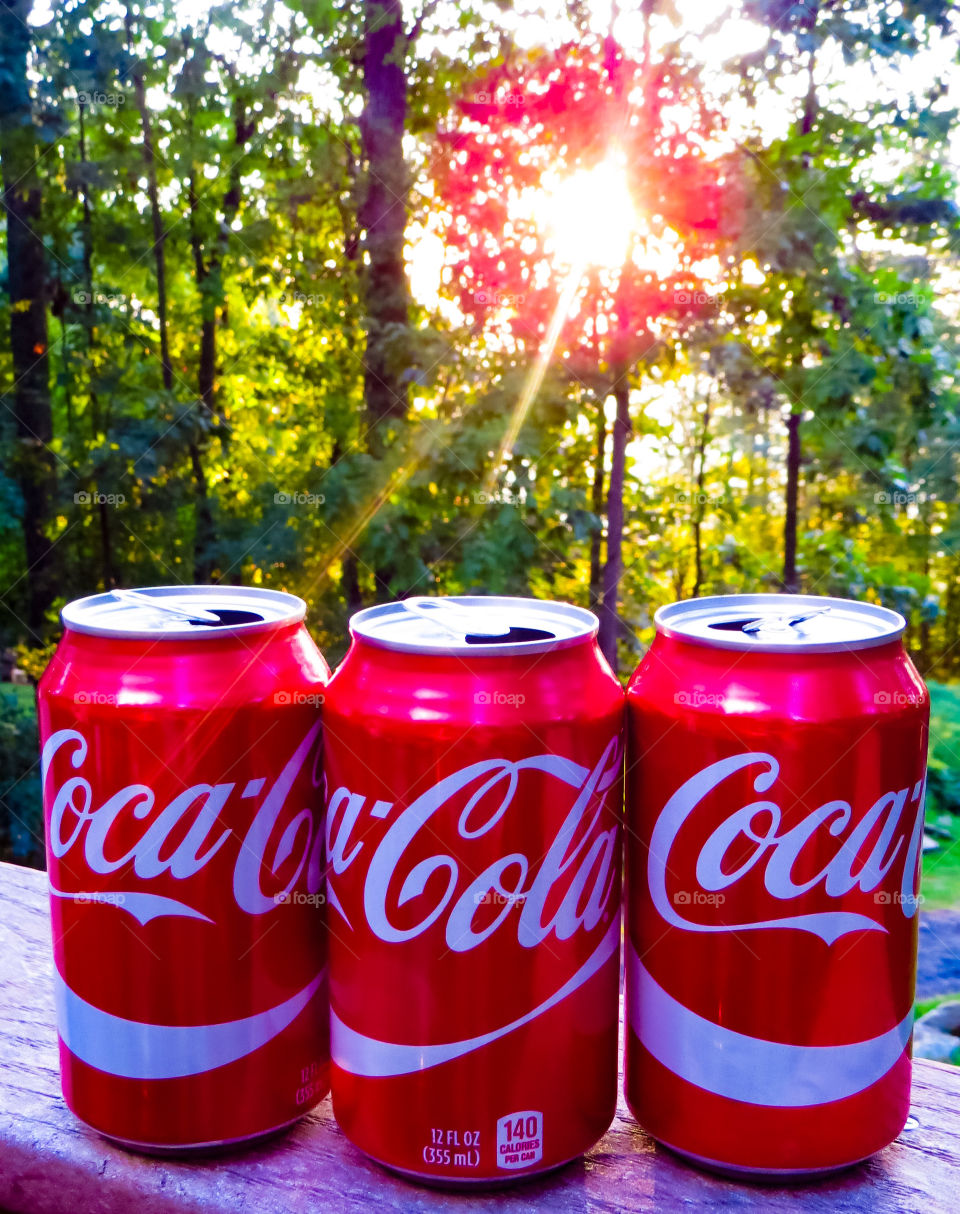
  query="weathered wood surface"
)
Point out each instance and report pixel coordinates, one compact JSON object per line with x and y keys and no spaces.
{"x":50,"y":1164}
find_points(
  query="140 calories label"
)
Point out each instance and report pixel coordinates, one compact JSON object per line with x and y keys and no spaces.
{"x":519,"y":1139}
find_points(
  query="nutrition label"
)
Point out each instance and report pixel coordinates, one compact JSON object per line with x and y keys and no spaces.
{"x":519,"y":1139}
{"x":453,"y":1148}
{"x":311,"y":1083}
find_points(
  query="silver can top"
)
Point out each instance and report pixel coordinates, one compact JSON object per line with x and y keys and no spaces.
{"x":780,"y":623}
{"x":163,"y":613}
{"x":474,"y":625}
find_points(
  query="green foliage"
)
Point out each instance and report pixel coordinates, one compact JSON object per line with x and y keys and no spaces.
{"x":830,"y":297}
{"x":941,"y":868}
{"x":943,"y":779}
{"x":21,"y":816}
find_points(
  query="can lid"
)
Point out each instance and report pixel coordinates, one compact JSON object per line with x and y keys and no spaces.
{"x":780,"y":623}
{"x":478,"y":625}
{"x":161,"y":613}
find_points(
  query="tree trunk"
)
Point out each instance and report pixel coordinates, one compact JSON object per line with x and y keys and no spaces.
{"x":204,"y":535}
{"x":609,"y":618}
{"x":210,"y":274}
{"x":699,"y":504}
{"x":204,"y":531}
{"x":207,"y":365}
{"x":610,"y":625}
{"x":596,"y":502}
{"x":33,"y":461}
{"x":790,"y":581}
{"x":97,"y":425}
{"x":156,"y":220}
{"x":350,"y":583}
{"x":349,"y":566}
{"x":383,"y":214}
{"x":924,"y":657}
{"x":106,"y":547}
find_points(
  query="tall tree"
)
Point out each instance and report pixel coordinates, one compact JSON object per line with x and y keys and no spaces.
{"x":528,"y":126}
{"x":808,"y":188}
{"x":383,"y":214}
{"x":27,"y":286}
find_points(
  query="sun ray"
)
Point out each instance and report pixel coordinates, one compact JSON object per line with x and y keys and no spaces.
{"x":591,"y":219}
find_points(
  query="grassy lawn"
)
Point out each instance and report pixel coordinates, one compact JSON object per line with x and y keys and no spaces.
{"x":941,"y":869}
{"x":922,"y":1006}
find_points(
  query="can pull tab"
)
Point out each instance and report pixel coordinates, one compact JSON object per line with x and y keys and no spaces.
{"x":459,"y":621}
{"x":181,"y":613}
{"x":779,"y":623}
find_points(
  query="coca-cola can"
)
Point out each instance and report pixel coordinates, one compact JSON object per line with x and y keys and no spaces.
{"x":775,"y":821}
{"x":474,"y":780}
{"x":182,"y":788}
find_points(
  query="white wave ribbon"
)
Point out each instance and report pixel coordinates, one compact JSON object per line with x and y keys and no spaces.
{"x":132,"y":1049}
{"x":143,"y":907}
{"x":367,"y":1056}
{"x":752,"y":1069}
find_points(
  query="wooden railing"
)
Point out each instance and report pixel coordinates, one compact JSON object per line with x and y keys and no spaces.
{"x":51,"y":1164}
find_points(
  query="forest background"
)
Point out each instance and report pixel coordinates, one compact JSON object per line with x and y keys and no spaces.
{"x":616,"y":304}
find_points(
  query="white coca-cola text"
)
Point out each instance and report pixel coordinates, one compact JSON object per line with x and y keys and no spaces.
{"x":276,"y":833}
{"x":759,"y":824}
{"x":581,"y":859}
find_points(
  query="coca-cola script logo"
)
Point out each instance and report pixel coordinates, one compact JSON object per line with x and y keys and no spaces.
{"x":760,"y":821}
{"x":752,"y":1069}
{"x":581,"y":861}
{"x":80,"y":826}
{"x":88,"y":831}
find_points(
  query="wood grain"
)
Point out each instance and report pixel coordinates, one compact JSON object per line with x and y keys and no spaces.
{"x":51,"y":1164}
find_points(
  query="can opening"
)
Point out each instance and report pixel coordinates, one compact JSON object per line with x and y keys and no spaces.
{"x":512,"y":635}
{"x":226,"y":618}
{"x":733,"y":625}
{"x":780,"y":623}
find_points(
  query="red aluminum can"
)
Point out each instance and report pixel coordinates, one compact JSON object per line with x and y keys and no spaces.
{"x":775,"y":812}
{"x":180,"y":729}
{"x":473,"y":767}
